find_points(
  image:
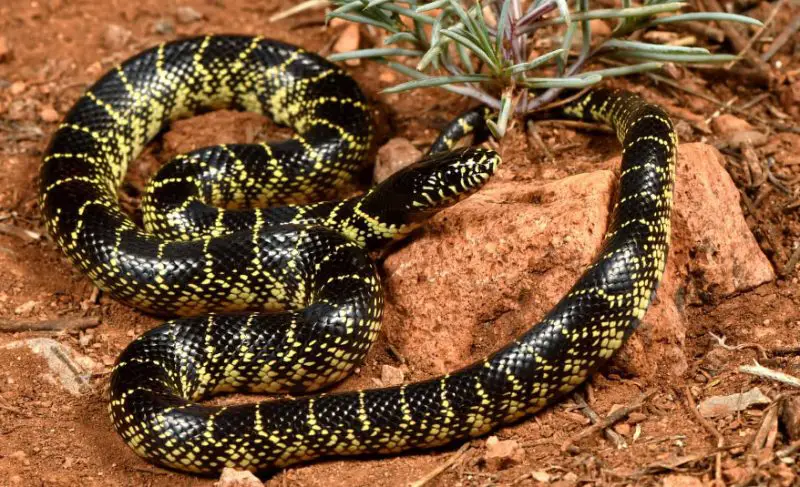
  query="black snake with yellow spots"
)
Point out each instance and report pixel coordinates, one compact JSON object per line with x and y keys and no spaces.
{"x":300,"y":271}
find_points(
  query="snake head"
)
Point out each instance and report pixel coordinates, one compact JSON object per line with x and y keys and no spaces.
{"x":418,"y":191}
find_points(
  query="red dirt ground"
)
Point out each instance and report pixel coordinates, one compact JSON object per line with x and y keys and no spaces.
{"x":50,"y":438}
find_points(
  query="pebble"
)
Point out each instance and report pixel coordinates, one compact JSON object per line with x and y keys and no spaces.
{"x":682,"y":481}
{"x":391,"y":376}
{"x":599,"y":28}
{"x":187,"y":15}
{"x":502,"y":454}
{"x":393,"y":156}
{"x":636,"y":417}
{"x":752,"y":137}
{"x":17,"y":88}
{"x":728,"y":124}
{"x":163,"y":27}
{"x":237,"y":478}
{"x":49,"y":114}
{"x":25,"y":308}
{"x":623,"y":428}
{"x":115,"y":37}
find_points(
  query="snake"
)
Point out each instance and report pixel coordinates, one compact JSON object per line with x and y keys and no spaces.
{"x":268,"y":280}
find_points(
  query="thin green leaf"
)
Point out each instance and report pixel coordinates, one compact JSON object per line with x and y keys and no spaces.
{"x":433,"y":5}
{"x":436,"y":81}
{"x":706,"y":16}
{"x":347,"y":7}
{"x":400,"y":37}
{"x":611,"y":13}
{"x":638,"y":46}
{"x":677,"y":58}
{"x":564,"y":9}
{"x":625,"y":70}
{"x":465,"y":59}
{"x":425,"y":19}
{"x":373,"y":53}
{"x":376,"y":3}
{"x":502,"y":25}
{"x":358,"y":18}
{"x":462,"y":40}
{"x":502,"y":118}
{"x":571,"y":82}
{"x":522,"y":67}
{"x":430,"y":56}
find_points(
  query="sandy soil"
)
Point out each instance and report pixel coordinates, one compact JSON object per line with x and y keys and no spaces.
{"x":49,"y":437}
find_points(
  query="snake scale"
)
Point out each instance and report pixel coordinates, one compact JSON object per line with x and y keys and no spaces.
{"x":286,"y":299}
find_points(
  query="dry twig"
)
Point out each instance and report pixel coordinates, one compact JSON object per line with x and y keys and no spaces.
{"x":55,"y":324}
{"x":764,"y":372}
{"x":609,"y":420}
{"x":451,"y":460}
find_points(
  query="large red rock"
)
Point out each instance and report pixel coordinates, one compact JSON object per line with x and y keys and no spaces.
{"x":483,"y":271}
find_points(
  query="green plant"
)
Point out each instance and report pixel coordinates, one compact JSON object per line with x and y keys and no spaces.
{"x":482,"y":49}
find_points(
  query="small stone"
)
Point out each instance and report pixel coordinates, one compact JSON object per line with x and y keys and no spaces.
{"x":728,"y":124}
{"x":599,"y":28}
{"x":752,"y":137}
{"x":720,"y":406}
{"x":636,"y":417}
{"x":95,"y":69}
{"x":387,"y":77}
{"x":163,"y":27}
{"x":237,"y":478}
{"x":393,"y":156}
{"x":623,"y":428}
{"x":682,"y":481}
{"x":5,"y":50}
{"x":26,"y":307}
{"x":391,"y":376}
{"x":187,"y":15}
{"x":49,"y":114}
{"x":17,"y":88}
{"x":540,"y":476}
{"x":502,"y":454}
{"x":115,"y":37}
{"x":348,"y":41}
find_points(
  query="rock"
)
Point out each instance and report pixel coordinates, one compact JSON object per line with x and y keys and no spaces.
{"x":115,"y":37}
{"x":348,"y":41}
{"x":237,"y":478}
{"x":507,"y":254}
{"x":187,"y":15}
{"x":64,"y":362}
{"x":26,"y":308}
{"x":5,"y":50}
{"x":540,"y":476}
{"x":393,"y":156}
{"x":752,"y":137}
{"x":636,"y":417}
{"x":17,"y":88}
{"x":391,"y":376}
{"x":682,"y":481}
{"x":599,"y":28}
{"x":720,"y":406}
{"x":728,"y":124}
{"x":623,"y":428}
{"x":502,"y":454}
{"x":49,"y":114}
{"x":711,"y":235}
{"x":163,"y":27}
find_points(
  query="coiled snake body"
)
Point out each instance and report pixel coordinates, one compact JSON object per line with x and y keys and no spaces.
{"x":300,"y":271}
